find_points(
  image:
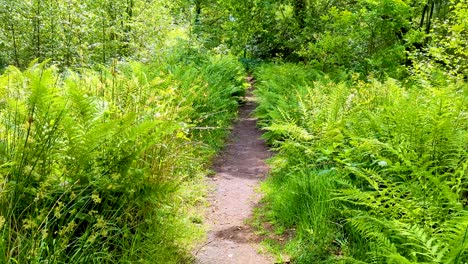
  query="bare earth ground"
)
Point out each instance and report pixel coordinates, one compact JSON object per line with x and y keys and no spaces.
{"x":239,"y":169}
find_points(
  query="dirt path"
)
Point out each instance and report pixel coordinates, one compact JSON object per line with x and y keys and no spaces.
{"x":239,"y":169}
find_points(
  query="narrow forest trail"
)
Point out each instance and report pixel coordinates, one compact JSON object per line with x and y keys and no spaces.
{"x":239,"y":170}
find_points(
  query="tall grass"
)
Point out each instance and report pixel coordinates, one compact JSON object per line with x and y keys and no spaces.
{"x":95,"y":166}
{"x":369,"y":172}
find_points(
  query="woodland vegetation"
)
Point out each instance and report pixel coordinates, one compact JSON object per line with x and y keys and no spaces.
{"x":110,"y":112}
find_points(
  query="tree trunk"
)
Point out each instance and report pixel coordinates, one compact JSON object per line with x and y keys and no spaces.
{"x":15,"y":46}
{"x":300,"y":7}
{"x":198,"y":11}
{"x":37,"y":30}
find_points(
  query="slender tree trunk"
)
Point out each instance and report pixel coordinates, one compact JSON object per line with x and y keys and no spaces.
{"x":69,"y":37}
{"x":300,"y":7}
{"x":15,"y":46}
{"x":103,"y":40}
{"x":52,"y":29}
{"x":37,"y":30}
{"x":127,"y":28}
{"x":198,"y":11}
{"x":428,"y":24}
{"x":423,"y":15}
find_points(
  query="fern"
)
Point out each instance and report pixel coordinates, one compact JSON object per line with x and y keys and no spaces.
{"x":399,"y":154}
{"x":93,"y":166}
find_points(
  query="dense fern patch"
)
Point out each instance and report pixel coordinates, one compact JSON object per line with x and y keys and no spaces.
{"x":369,"y":172}
{"x":95,"y":167}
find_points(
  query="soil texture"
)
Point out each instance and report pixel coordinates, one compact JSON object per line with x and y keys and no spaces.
{"x":238,"y":171}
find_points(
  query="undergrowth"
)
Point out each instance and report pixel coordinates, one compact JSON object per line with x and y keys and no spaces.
{"x":366,"y":172}
{"x":106,"y":166}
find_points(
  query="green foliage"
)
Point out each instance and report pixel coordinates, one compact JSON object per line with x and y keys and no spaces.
{"x":366,"y":171}
{"x":364,"y":37}
{"x":446,"y":53}
{"x":358,"y":35}
{"x":104,"y":165}
{"x":379,"y":38}
{"x":81,"y":33}
{"x":95,"y":167}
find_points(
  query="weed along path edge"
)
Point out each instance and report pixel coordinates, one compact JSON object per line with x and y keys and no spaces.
{"x":238,"y":171}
